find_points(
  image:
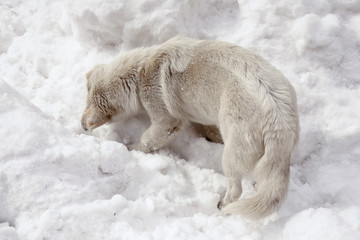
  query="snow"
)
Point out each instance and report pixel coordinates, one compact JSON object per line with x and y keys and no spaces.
{"x":58,"y":182}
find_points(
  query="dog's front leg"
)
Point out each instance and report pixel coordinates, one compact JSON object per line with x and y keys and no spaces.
{"x":159,"y":134}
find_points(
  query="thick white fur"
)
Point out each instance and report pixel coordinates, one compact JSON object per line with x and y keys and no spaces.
{"x":211,"y":83}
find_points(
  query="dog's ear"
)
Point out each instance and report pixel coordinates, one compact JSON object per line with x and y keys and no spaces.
{"x":152,"y":67}
{"x":88,"y":74}
{"x":92,"y":70}
{"x":170,"y":61}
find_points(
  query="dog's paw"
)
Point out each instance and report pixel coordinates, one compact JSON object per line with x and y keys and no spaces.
{"x":138,"y":147}
{"x":134,"y":146}
{"x":220,"y":205}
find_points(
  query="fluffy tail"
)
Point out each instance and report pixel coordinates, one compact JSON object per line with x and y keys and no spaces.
{"x":272,"y":176}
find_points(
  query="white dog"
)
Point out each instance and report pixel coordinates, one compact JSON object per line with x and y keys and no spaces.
{"x":211,"y":83}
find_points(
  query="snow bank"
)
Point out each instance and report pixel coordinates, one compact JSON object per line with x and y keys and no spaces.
{"x":112,"y":24}
{"x":57,"y":182}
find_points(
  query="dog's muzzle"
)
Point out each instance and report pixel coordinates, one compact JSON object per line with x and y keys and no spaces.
{"x":83,"y":124}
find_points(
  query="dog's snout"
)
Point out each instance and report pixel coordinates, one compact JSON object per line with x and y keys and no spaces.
{"x":84,"y":125}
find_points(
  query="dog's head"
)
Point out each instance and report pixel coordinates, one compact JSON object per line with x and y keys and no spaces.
{"x":111,"y":91}
{"x":99,"y":109}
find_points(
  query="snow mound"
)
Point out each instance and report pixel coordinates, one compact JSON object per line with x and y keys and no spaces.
{"x":112,"y":24}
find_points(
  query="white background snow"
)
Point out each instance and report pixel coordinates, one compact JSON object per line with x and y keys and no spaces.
{"x":58,"y":182}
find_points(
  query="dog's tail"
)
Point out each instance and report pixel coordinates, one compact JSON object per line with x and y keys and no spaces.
{"x":272,"y":176}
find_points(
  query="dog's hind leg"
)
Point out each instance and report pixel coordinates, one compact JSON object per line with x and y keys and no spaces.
{"x":239,"y":158}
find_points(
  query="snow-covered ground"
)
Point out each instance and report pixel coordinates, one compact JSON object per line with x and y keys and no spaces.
{"x":58,"y":182}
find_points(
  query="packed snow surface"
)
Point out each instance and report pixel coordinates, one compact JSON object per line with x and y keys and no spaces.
{"x":58,"y":182}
